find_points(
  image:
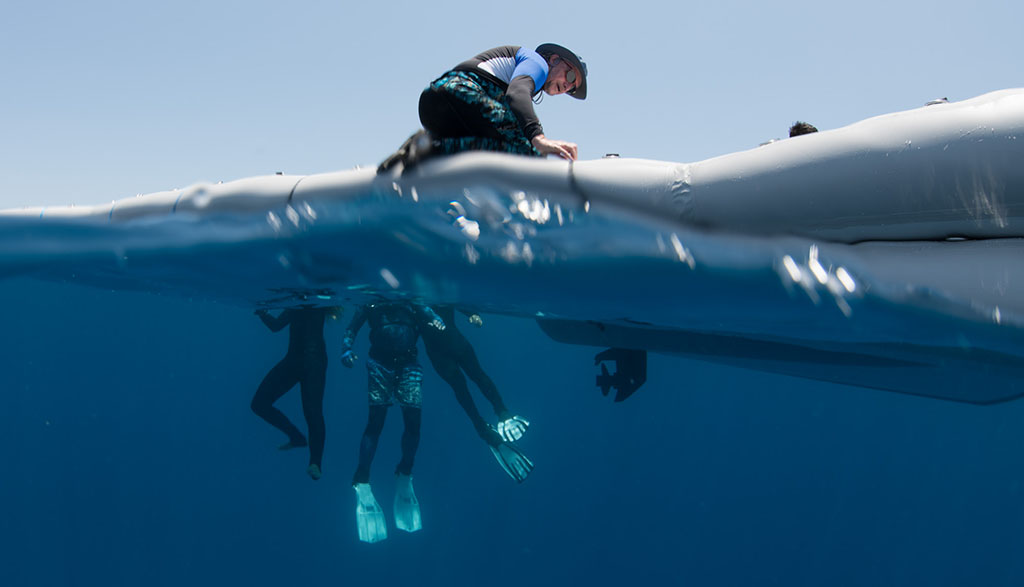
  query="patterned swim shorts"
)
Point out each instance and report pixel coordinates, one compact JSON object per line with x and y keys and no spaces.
{"x":402,"y":384}
{"x":487,"y":99}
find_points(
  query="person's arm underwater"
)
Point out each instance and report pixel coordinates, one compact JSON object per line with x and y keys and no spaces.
{"x":275,"y":324}
{"x":348,"y":356}
{"x":429,"y":316}
{"x":472,"y":317}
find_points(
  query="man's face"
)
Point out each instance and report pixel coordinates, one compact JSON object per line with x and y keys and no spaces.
{"x":562,"y":77}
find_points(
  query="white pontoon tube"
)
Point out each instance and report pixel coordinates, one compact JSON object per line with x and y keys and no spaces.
{"x":934,"y":176}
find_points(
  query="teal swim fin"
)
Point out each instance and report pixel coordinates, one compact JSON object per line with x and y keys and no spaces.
{"x":369,"y":515}
{"x":407,"y":507}
{"x":515,"y":463}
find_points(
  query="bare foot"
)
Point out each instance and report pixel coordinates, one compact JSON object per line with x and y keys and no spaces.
{"x":298,"y":443}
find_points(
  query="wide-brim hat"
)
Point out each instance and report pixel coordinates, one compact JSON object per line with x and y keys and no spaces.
{"x":580,"y":91}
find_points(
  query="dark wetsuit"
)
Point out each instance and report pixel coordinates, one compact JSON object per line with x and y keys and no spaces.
{"x":393,"y":375}
{"x":304,"y":364}
{"x":451,"y":355}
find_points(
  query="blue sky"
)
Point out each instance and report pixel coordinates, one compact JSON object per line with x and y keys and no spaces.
{"x":108,"y":99}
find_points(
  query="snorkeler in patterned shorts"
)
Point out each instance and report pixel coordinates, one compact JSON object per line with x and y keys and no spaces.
{"x":393,"y":376}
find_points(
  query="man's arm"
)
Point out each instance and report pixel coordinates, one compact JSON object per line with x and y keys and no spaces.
{"x":275,"y":324}
{"x":429,"y":316}
{"x":472,"y":316}
{"x":520,"y":99}
{"x":348,"y":357}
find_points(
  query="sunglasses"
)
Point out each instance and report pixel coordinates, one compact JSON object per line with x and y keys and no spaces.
{"x":570,"y":76}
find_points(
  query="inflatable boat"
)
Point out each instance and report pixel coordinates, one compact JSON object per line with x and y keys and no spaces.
{"x":920,"y":211}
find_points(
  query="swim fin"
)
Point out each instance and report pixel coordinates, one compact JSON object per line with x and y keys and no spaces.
{"x":369,"y":515}
{"x":515,"y":463}
{"x":407,"y":507}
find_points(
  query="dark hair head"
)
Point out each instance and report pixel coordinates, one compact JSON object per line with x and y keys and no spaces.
{"x":801,"y":128}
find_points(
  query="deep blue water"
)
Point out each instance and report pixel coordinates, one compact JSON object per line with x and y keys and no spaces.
{"x":131,"y":458}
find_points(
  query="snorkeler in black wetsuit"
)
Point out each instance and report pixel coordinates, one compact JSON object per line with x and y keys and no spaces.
{"x":305,"y":364}
{"x":452,"y":355}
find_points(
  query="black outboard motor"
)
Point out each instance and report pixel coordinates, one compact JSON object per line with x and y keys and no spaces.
{"x":630,"y":371}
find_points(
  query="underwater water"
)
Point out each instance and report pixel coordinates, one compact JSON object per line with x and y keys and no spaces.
{"x":132,"y":457}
